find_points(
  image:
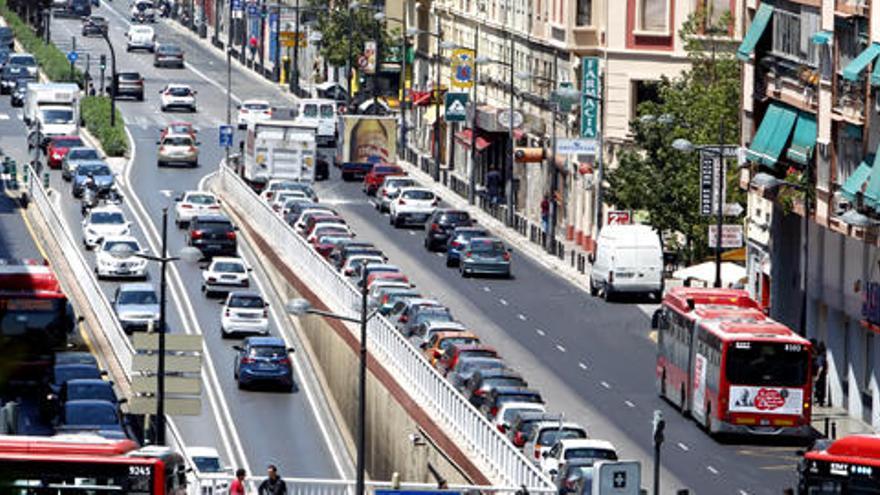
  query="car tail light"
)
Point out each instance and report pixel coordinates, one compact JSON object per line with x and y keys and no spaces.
{"x":404,"y":318}
{"x":502,"y":428}
{"x":456,"y":244}
{"x":385,"y":299}
{"x":244,"y":110}
{"x":214,"y":207}
{"x":196,"y":234}
{"x":479,"y":392}
{"x":401,"y":201}
{"x":162,"y":148}
{"x":537,"y":452}
{"x":610,"y":277}
{"x":493,"y":411}
{"x":186,"y":206}
{"x":230,"y":235}
{"x":265,"y":313}
{"x":269,"y":194}
{"x":467,"y":254}
{"x":248,"y":360}
{"x":506,"y":256}
{"x":227,"y":313}
{"x":284,"y":361}
{"x":518,"y":439}
{"x":435,"y":227}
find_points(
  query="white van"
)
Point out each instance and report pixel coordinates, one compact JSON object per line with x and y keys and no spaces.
{"x":628,"y":259}
{"x":321,"y":112}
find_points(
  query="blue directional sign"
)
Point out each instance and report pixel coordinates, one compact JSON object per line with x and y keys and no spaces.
{"x":72,"y":56}
{"x":253,"y":9}
{"x":226,"y":133}
{"x":237,"y":5}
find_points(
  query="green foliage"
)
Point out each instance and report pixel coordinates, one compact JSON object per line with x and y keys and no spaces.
{"x":701,"y":105}
{"x":53,"y":62}
{"x":95,"y":111}
{"x":342,"y":28}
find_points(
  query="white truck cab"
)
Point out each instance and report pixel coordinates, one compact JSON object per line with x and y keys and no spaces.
{"x":54,"y":107}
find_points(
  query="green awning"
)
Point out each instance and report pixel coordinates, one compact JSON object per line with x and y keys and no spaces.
{"x":822,"y":38}
{"x":872,"y":190}
{"x":756,"y":30}
{"x":875,"y":76}
{"x":855,"y":181}
{"x":854,"y":69}
{"x":804,"y":140}
{"x":772,"y":135}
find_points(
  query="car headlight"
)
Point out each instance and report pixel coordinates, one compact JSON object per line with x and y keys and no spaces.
{"x":91,"y":231}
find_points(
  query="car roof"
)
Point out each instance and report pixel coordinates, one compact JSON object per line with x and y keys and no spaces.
{"x":566,"y":425}
{"x":509,"y":390}
{"x":76,"y":365}
{"x":89,"y":402}
{"x":202,"y":452}
{"x":457,"y":334}
{"x":470,"y":228}
{"x":81,"y":148}
{"x":406,"y":189}
{"x":226,"y":259}
{"x":121,"y":238}
{"x":177,"y":85}
{"x":264,"y":341}
{"x":422,"y":300}
{"x":502,"y":372}
{"x":525,"y":406}
{"x":178,"y":134}
{"x":543,"y":416}
{"x":256,"y":100}
{"x":93,"y":161}
{"x":138,"y":286}
{"x":195,"y":193}
{"x":245,"y":293}
{"x":107,"y":209}
{"x":212,"y":218}
{"x":449,"y":325}
{"x":87,"y":381}
{"x":586,"y":443}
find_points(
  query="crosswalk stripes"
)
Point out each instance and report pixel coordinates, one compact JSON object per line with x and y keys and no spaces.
{"x":4,"y":116}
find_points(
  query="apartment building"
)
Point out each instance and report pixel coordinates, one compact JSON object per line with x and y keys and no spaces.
{"x":810,"y":121}
{"x":637,"y":43}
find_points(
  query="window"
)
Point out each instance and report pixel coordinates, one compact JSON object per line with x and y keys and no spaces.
{"x":584,"y":12}
{"x":715,"y":10}
{"x":653,"y":15}
{"x":793,"y":26}
{"x":643,"y":91}
{"x":849,"y":150}
{"x":852,"y":39}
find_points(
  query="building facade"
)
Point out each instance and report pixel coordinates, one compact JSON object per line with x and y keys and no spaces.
{"x":810,"y":123}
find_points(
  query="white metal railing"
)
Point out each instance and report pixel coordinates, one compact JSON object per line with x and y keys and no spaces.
{"x":419,"y":379}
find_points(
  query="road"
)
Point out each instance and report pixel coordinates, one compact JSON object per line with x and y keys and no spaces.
{"x":250,"y":429}
{"x":592,"y":360}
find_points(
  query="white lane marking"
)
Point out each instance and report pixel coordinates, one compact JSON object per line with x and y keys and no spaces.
{"x":560,"y":348}
{"x":440,"y":255}
{"x":4,"y":116}
{"x":412,"y":232}
{"x":605,"y":384}
{"x":743,"y":492}
{"x":503,"y":302}
{"x":540,"y":332}
{"x":712,"y":470}
{"x":486,"y":289}
{"x":582,"y":366}
{"x":166,"y":192}
{"x":521,"y":317}
{"x":683,"y":447}
{"x":629,"y":404}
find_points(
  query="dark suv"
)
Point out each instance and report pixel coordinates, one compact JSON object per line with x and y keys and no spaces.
{"x":213,"y":235}
{"x":128,"y":84}
{"x":441,"y":224}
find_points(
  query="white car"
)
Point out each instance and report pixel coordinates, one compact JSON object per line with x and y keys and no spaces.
{"x":576,"y":448}
{"x":354,"y":261}
{"x":300,"y":224}
{"x":325,"y":228}
{"x":244,"y":313}
{"x":388,"y":191}
{"x":281,"y":197}
{"x":116,"y":256}
{"x":253,"y":111}
{"x":223,"y":274}
{"x":177,"y":96}
{"x":192,"y":204}
{"x":508,"y":411}
{"x":276,"y":185}
{"x":104,"y":221}
{"x":412,"y":205}
{"x":140,"y":38}
{"x":206,"y":460}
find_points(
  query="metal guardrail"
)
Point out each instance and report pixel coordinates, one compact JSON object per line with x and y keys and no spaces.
{"x":418,"y":378}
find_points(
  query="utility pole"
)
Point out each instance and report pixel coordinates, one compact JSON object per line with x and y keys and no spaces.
{"x":378,"y":66}
{"x":294,"y":77}
{"x":436,"y":94}
{"x":472,"y":176}
{"x":511,"y":214}
{"x":550,"y":235}
{"x":659,"y":427}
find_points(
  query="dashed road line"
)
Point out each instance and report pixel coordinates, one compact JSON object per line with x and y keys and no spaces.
{"x":560,"y":348}
{"x":606,"y":385}
{"x":486,"y":289}
{"x":629,"y":404}
{"x":683,"y":447}
{"x":582,"y":366}
{"x":412,"y":232}
{"x":540,"y":332}
{"x":521,"y":317}
{"x":503,"y":302}
{"x":743,"y":492}
{"x":712,"y":470}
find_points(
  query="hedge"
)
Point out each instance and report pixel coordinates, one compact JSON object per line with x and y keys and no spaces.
{"x":52,"y":60}
{"x":95,"y":111}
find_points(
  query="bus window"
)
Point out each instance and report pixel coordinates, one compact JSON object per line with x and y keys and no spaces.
{"x":756,"y":363}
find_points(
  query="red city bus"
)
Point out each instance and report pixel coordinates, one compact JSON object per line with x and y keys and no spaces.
{"x":88,"y":464}
{"x":734,"y":370}
{"x":849,"y":466}
{"x":35,"y":317}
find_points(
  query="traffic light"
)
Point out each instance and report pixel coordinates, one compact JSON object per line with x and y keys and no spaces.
{"x":103,"y":62}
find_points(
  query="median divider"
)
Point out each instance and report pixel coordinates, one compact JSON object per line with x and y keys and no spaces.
{"x":496,"y":457}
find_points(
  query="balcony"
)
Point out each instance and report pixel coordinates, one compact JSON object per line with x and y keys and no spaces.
{"x":849,"y":8}
{"x":849,"y":101}
{"x":793,"y":84}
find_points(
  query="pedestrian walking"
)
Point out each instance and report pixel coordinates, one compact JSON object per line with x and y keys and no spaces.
{"x":237,"y":485}
{"x":545,"y":213}
{"x":821,"y":375}
{"x":493,"y":185}
{"x":273,"y":485}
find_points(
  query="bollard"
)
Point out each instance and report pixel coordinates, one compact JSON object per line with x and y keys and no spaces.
{"x":834,"y":430}
{"x":46,"y":180}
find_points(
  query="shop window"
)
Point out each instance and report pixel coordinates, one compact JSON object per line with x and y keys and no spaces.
{"x":849,"y":150}
{"x":584,"y":12}
{"x":653,"y":16}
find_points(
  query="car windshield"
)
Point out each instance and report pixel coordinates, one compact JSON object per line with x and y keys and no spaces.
{"x":387,"y":170}
{"x":66,"y":143}
{"x":246,"y":302}
{"x":503,"y":381}
{"x":590,"y":453}
{"x":762,"y":364}
{"x":201,"y":199}
{"x":268,"y":351}
{"x":99,"y":391}
{"x":180,"y":128}
{"x":488,"y":247}
{"x":552,"y":435}
{"x":256,"y":106}
{"x":419,"y":195}
{"x":107,"y":217}
{"x":87,"y":154}
{"x":207,"y":464}
{"x":122,"y":247}
{"x":138,"y":297}
{"x":102,"y":170}
{"x":398,"y":183}
{"x":93,"y":413}
{"x":23,"y":60}
{"x":432,"y":316}
{"x":129,"y":76}
{"x":456,"y":216}
{"x":310,"y":110}
{"x":480,"y":364}
{"x":447,"y":343}
{"x":381,"y":269}
{"x":218,"y":225}
{"x":177,"y":141}
{"x":228,"y":267}
{"x":511,"y":413}
{"x":169,"y":50}
{"x":64,"y":374}
{"x":57,"y":116}
{"x":179,"y":91}
{"x":327,"y":111}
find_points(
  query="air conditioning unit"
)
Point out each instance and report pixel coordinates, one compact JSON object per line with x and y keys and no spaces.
{"x":839,"y":204}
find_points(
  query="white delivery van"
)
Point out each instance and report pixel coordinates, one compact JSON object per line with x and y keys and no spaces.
{"x":628,"y":259}
{"x":55,"y":106}
{"x":320,"y":112}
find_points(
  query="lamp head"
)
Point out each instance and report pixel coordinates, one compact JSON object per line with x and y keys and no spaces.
{"x":190,"y":254}
{"x":683,"y":145}
{"x":298,"y":307}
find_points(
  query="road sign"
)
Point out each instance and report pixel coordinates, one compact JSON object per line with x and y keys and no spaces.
{"x":253,"y":9}
{"x":574,"y":146}
{"x":591,"y":95}
{"x":362,"y":62}
{"x":173,"y":363}
{"x":462,"y":74}
{"x":143,"y":384}
{"x":72,"y":56}
{"x":617,"y":478}
{"x":238,"y":9}
{"x":731,"y":236}
{"x":504,"y":119}
{"x":370,"y":54}
{"x":619,"y":217}
{"x":707,"y":176}
{"x":733,"y":209}
{"x":456,"y":107}
{"x":225,"y":136}
{"x":174,"y":342}
{"x":173,"y":405}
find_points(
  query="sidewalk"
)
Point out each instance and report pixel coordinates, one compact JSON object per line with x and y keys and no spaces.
{"x":840,"y":424}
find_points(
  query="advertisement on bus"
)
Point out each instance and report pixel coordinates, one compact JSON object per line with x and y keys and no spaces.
{"x":766,"y":400}
{"x":368,"y":140}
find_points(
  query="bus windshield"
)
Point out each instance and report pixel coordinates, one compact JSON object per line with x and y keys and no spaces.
{"x":755,"y":363}
{"x":19,"y":316}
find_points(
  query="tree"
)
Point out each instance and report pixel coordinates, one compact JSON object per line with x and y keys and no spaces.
{"x":702,"y":105}
{"x":343,"y":28}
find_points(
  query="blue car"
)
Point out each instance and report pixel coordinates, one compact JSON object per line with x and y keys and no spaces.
{"x":458,"y":240}
{"x":263,"y":360}
{"x":485,"y":256}
{"x":62,"y":373}
{"x":100,"y":172}
{"x":91,"y":416}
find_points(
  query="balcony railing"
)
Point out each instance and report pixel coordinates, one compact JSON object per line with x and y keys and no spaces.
{"x":849,"y":100}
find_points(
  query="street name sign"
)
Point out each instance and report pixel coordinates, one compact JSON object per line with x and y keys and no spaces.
{"x":731,"y":236}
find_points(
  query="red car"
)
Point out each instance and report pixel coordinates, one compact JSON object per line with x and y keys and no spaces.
{"x":450,"y":357}
{"x":374,"y":178}
{"x":323,"y":245}
{"x":178,"y":128}
{"x":57,"y":148}
{"x":386,"y":276}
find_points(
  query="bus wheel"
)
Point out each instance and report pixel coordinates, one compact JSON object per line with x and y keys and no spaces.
{"x":662,"y":385}
{"x":708,"y":422}
{"x":682,"y":406}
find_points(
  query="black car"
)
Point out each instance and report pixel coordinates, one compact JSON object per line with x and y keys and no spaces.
{"x":20,"y":91}
{"x":7,"y":39}
{"x":9,"y":76}
{"x":481,"y":382}
{"x":167,"y":55}
{"x":129,"y":84}
{"x":500,"y":395}
{"x":94,"y":26}
{"x":441,"y":224}
{"x":79,"y":8}
{"x":213,"y":235}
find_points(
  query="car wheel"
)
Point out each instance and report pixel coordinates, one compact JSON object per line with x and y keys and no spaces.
{"x":223,"y":333}
{"x":160,"y":163}
{"x":240,"y":385}
{"x":398,"y":222}
{"x":594,"y":290}
{"x":140,"y":97}
{"x":391,"y":219}
{"x":607,"y":293}
{"x":449,"y":262}
{"x":464,"y":273}
{"x":162,"y":108}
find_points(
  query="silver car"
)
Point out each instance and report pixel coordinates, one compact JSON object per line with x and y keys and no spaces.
{"x":389,"y":189}
{"x":136,"y":306}
{"x":76,"y":156}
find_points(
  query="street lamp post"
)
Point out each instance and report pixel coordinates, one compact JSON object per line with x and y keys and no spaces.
{"x":300,"y":307}
{"x":381,"y":17}
{"x":439,"y":37}
{"x":105,"y":34}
